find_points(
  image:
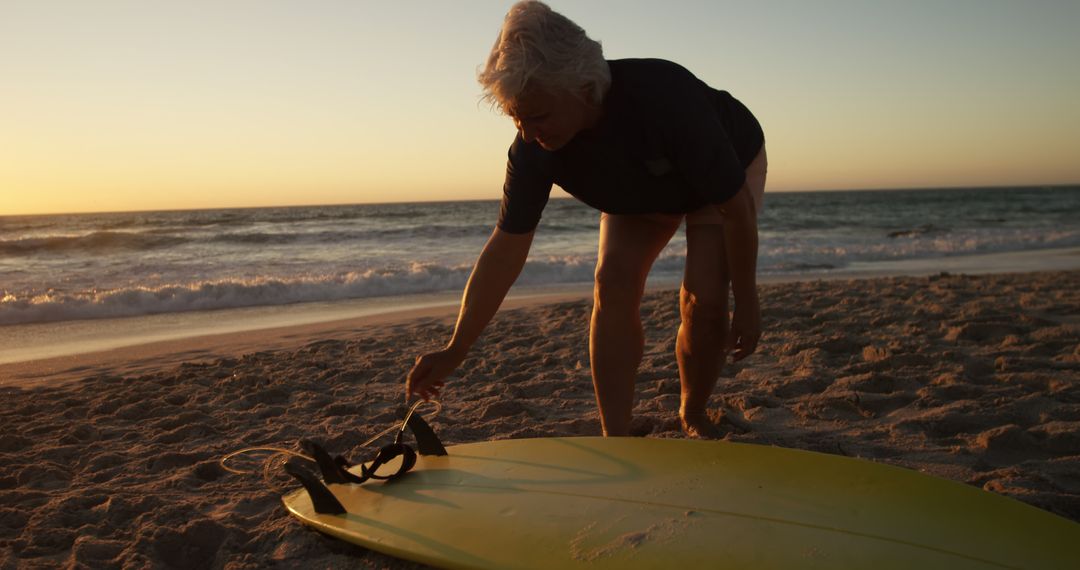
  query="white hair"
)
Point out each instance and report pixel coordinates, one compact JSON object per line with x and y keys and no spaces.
{"x":540,"y":48}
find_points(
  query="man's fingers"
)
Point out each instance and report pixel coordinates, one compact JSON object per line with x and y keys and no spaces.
{"x":418,"y":373}
{"x":736,"y":338}
{"x":427,"y":376}
{"x":428,"y":393}
{"x":432,"y":391}
{"x":732,"y":341}
{"x":744,"y":346}
{"x":417,"y":382}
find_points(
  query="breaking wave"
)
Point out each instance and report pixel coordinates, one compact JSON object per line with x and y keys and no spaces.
{"x":54,"y":306}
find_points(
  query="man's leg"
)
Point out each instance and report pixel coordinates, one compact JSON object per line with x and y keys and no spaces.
{"x":628,"y":247}
{"x":703,"y":305}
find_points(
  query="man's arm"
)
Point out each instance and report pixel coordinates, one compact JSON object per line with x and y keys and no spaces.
{"x":495,"y":271}
{"x":498,"y":266}
{"x":741,"y":248}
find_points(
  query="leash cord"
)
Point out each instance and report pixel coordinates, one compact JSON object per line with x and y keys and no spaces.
{"x":280,"y":455}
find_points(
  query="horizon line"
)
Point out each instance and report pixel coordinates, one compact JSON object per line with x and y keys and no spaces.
{"x":564,"y":197}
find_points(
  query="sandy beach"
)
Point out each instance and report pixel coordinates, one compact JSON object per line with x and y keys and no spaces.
{"x":111,"y":460}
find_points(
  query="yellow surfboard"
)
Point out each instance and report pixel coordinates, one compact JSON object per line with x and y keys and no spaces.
{"x":627,"y":503}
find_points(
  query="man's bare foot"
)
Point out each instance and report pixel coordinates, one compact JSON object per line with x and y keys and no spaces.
{"x":699,"y":426}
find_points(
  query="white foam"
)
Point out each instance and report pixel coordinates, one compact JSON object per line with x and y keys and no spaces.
{"x":53,"y":306}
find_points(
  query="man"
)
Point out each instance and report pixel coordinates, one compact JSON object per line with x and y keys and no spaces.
{"x":647,"y":144}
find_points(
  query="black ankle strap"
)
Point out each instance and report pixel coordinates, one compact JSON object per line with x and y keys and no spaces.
{"x":336,"y":469}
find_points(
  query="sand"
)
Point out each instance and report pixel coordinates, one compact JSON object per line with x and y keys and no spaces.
{"x":113,"y":461}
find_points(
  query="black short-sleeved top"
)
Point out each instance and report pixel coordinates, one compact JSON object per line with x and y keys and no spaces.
{"x":666,"y":143}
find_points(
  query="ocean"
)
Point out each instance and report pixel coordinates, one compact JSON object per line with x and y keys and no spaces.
{"x":60,"y":268}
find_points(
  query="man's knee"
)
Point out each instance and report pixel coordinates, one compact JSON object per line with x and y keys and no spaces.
{"x":704,"y":327}
{"x":703,"y":315}
{"x":616,"y":285}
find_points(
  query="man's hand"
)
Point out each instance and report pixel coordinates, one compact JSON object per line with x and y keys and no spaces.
{"x":429,"y":373}
{"x":745,"y":328}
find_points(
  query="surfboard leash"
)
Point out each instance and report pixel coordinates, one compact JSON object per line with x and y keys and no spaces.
{"x":427,"y":444}
{"x":336,"y":469}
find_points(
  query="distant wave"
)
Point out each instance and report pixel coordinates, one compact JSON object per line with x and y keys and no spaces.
{"x":924,"y":230}
{"x":102,"y":242}
{"x":840,"y":251}
{"x":438,"y":232}
{"x":797,"y":267}
{"x":287,"y":216}
{"x":89,"y":243}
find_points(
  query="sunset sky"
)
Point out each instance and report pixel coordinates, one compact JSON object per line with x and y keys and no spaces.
{"x":136,"y":105}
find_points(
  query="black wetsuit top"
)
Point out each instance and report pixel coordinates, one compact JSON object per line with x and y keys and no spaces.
{"x":666,"y":143}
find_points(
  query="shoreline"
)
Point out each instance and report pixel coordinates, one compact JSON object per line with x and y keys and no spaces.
{"x":142,"y":357}
{"x":58,"y":352}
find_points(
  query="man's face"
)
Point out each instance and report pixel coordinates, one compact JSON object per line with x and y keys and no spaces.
{"x":552,"y":119}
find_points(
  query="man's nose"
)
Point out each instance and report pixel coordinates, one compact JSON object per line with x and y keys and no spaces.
{"x":528,"y":132}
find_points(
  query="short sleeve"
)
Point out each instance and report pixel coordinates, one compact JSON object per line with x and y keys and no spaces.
{"x":525,"y":190}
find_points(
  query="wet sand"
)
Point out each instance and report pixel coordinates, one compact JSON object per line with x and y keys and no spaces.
{"x":112,"y":461}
